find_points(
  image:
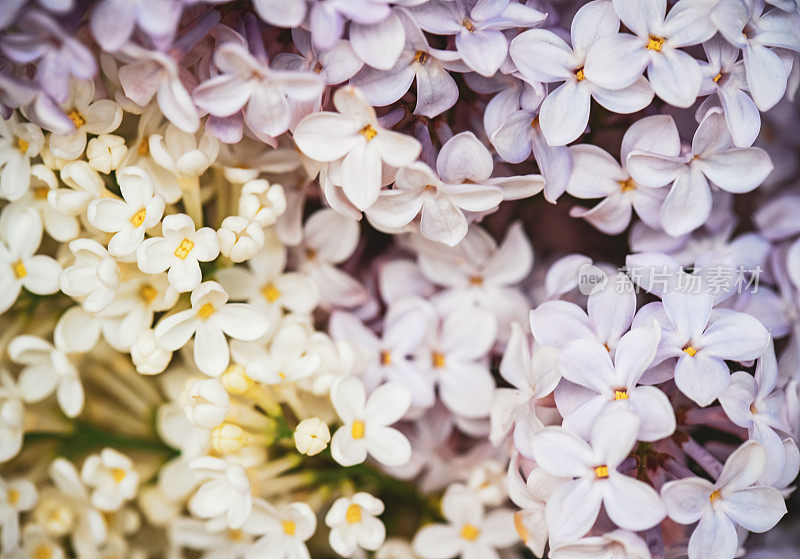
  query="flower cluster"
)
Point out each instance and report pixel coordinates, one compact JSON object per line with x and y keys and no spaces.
{"x":260,"y":297}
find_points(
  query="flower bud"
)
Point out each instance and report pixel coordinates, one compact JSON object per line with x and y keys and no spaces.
{"x":311,"y":436}
{"x":106,"y":152}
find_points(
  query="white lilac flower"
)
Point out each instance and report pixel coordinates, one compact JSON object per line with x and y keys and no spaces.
{"x":596,"y":174}
{"x":179,"y":250}
{"x":735,"y":499}
{"x":713,"y":158}
{"x":209,"y":320}
{"x":16,"y":496}
{"x":753,"y":403}
{"x":288,"y":359}
{"x":532,"y":377}
{"x":59,"y":226}
{"x":603,"y":386}
{"x":19,"y":142}
{"x":542,"y":56}
{"x":453,"y":356}
{"x":617,"y":544}
{"x":608,"y":315}
{"x":757,"y":34}
{"x":573,"y":508}
{"x":151,"y":73}
{"x":129,"y":218}
{"x":112,"y":478}
{"x":47,"y":369}
{"x":479,"y":273}
{"x":330,"y":238}
{"x":135,"y":303}
{"x":266,"y":285}
{"x":225,"y":491}
{"x":333,"y":65}
{"x":478,"y":28}
{"x":464,"y":165}
{"x":93,"y":277}
{"x":436,"y":89}
{"x":388,"y":357}
{"x":702,"y":341}
{"x":88,"y":116}
{"x":36,"y":541}
{"x":354,"y":139}
{"x":354,"y":524}
{"x":365,"y":423}
{"x":531,"y":496}
{"x":618,"y":60}
{"x":245,"y":83}
{"x":512,"y":123}
{"x":85,"y":185}
{"x":725,"y":75}
{"x":285,"y":530}
{"x":470,"y":531}
{"x":20,"y":266}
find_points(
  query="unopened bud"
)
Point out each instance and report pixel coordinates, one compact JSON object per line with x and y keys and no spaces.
{"x":311,"y":436}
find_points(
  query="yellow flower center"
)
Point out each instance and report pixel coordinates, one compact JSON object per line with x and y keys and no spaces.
{"x":144,"y":147}
{"x":206,"y":310}
{"x":138,"y":217}
{"x":421,"y":57}
{"x":236,"y":535}
{"x":717,"y":77}
{"x":753,"y":408}
{"x":148,"y":293}
{"x":468,"y":25}
{"x":522,"y":531}
{"x":76,"y":118}
{"x":621,"y":394}
{"x":368,"y":132}
{"x":118,"y":474}
{"x":386,"y":358}
{"x":690,"y":350}
{"x":270,"y":292}
{"x":627,"y":185}
{"x":19,"y":269}
{"x":43,"y":551}
{"x":535,"y":121}
{"x":358,"y":430}
{"x":579,"y":75}
{"x":476,"y":280}
{"x":184,"y":249}
{"x":601,"y":472}
{"x":437,"y":360}
{"x":470,"y":532}
{"x":655,"y":43}
{"x":41,"y":192}
{"x":12,"y":496}
{"x":353,"y":514}
{"x":715,"y":496}
{"x":22,"y":145}
{"x":289,"y":527}
{"x":311,"y":254}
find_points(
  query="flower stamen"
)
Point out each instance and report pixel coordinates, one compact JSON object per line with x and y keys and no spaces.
{"x":138,"y":217}
{"x":368,"y":132}
{"x":184,"y":249}
{"x":601,"y":472}
{"x":655,"y":43}
{"x":358,"y":429}
{"x":353,"y":514}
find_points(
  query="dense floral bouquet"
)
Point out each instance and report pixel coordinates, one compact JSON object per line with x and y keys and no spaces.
{"x":267,"y":282}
